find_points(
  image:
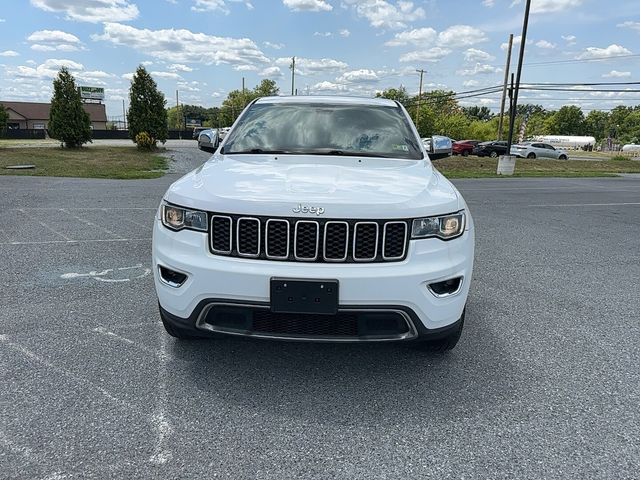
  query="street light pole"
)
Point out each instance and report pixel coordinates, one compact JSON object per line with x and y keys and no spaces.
{"x":421,"y":72}
{"x":504,"y":88}
{"x":293,"y":73}
{"x":514,"y":106}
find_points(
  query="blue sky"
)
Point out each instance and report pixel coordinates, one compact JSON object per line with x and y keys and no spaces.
{"x":203,"y":48}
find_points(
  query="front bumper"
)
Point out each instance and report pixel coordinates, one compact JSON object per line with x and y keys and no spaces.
{"x":395,"y":286}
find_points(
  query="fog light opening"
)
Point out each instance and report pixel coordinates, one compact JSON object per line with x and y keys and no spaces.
{"x":171,"y":277}
{"x":446,"y":288}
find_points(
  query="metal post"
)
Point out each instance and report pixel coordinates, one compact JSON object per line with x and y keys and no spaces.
{"x":421,"y":72}
{"x":178,"y":116}
{"x":504,"y":88}
{"x":293,"y":73}
{"x":523,"y":42}
{"x":124,"y":115}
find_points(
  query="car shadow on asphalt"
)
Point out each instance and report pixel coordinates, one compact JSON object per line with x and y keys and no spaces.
{"x":340,"y":383}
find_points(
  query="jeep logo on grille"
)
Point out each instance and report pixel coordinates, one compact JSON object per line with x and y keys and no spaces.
{"x":308,"y":209}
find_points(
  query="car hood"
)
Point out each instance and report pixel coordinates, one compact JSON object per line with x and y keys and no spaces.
{"x":343,"y":187}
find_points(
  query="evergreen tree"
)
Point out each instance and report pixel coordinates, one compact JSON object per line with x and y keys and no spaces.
{"x":147,"y":108}
{"x":68,"y":121}
{"x":4,"y":118}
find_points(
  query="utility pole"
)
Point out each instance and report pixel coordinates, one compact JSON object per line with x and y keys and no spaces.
{"x":421,"y":72}
{"x":178,"y":116}
{"x":293,"y":73}
{"x":504,"y":88}
{"x":124,"y":115}
{"x":514,"y":106}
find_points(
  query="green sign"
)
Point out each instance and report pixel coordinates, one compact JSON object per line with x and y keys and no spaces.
{"x":92,"y":93}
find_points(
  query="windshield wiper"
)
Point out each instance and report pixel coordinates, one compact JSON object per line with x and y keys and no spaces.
{"x":257,"y":150}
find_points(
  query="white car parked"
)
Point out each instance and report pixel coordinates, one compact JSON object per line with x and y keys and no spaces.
{"x":318,"y":218}
{"x":536,"y":150}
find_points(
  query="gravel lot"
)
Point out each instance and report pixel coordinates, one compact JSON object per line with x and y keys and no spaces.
{"x":545,"y":382}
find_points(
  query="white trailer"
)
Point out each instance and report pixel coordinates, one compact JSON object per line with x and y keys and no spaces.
{"x":566,"y":141}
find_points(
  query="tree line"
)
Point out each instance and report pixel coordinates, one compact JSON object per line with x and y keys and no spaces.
{"x":434,"y":112}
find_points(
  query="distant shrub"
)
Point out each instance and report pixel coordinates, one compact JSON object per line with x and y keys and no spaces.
{"x":619,"y":158}
{"x":144,"y":141}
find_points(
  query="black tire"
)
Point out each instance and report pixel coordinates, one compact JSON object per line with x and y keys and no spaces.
{"x":531,"y":155}
{"x":562,"y":157}
{"x":493,"y":154}
{"x":444,"y":344}
{"x":465,"y":153}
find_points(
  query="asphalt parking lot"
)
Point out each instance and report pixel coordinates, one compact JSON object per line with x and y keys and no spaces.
{"x":545,"y":382}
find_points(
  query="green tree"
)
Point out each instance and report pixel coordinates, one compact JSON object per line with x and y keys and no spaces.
{"x":569,"y":120}
{"x":68,"y":121}
{"x":478,"y":113}
{"x":596,"y":123}
{"x":454,"y":125}
{"x":4,"y":118}
{"x":146,"y":108}
{"x":630,"y":128}
{"x":266,"y":88}
{"x":399,"y":94}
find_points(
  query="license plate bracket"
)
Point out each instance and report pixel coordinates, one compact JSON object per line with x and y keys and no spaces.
{"x":304,"y":296}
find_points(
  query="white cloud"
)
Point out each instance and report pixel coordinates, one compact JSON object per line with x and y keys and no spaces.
{"x":517,"y":40}
{"x":358,"y":76}
{"x":418,"y":36}
{"x":344,"y":33}
{"x":488,"y":3}
{"x":479,"y":69}
{"x":309,"y":66}
{"x":211,"y":6}
{"x":245,"y":68}
{"x":178,"y":67}
{"x":93,"y":11}
{"x":128,"y":76}
{"x":612,"y":50}
{"x":2,"y":20}
{"x":570,"y":39}
{"x":459,"y":36}
{"x":308,"y":5}
{"x":545,"y":44}
{"x":428,"y":55}
{"x":9,"y":53}
{"x":322,"y":34}
{"x":271,"y":72}
{"x":275,"y":46}
{"x":470,"y":83}
{"x":47,"y":70}
{"x":184,"y":46}
{"x":630,"y":24}
{"x":168,"y":75}
{"x":146,"y":63}
{"x":328,"y":87}
{"x":475,"y":55}
{"x":617,"y":74}
{"x":384,"y":14}
{"x":51,"y":40}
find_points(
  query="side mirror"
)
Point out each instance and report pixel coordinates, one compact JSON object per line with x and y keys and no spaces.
{"x":441,"y":147}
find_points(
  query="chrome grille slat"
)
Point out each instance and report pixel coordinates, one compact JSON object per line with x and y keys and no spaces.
{"x":297,"y":239}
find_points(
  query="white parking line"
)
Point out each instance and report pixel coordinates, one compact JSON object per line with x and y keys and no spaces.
{"x":586,"y":204}
{"x":46,"y":242}
{"x":56,"y":232}
{"x":91,"y":224}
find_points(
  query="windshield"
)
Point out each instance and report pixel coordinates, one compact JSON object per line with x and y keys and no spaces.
{"x":324,"y":129}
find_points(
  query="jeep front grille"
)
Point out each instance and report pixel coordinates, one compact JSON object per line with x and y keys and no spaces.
{"x":307,"y":240}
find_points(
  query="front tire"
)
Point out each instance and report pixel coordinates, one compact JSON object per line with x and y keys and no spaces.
{"x":562,"y":157}
{"x":465,"y":153}
{"x":444,"y":344}
{"x":531,"y":156}
{"x":493,"y":154}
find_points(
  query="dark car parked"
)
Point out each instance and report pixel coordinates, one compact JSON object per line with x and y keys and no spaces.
{"x":490,"y":149}
{"x":464,"y":147}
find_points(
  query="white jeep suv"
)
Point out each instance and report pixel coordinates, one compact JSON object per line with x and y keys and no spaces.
{"x":318,"y":218}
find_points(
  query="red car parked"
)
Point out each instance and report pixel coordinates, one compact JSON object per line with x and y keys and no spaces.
{"x":464,"y":147}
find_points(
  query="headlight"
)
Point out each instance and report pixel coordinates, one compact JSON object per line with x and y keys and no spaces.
{"x":177,"y":218}
{"x":444,"y":227}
